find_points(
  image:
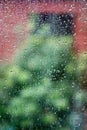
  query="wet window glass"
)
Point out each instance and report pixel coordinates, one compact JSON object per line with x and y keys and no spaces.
{"x":43,"y":65}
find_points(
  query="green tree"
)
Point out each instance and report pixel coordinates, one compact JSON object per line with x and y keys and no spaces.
{"x":41,"y":83}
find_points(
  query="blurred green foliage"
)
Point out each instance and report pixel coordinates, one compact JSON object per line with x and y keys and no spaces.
{"x":36,"y":91}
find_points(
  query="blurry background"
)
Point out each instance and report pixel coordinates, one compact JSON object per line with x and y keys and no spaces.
{"x":41,"y":89}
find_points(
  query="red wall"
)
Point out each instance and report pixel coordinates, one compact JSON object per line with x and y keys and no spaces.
{"x":14,"y":16}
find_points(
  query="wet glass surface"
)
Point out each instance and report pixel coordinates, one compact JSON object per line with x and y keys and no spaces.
{"x":43,"y":66}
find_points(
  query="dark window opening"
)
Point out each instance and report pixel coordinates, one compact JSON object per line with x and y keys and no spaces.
{"x":60,"y":24}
